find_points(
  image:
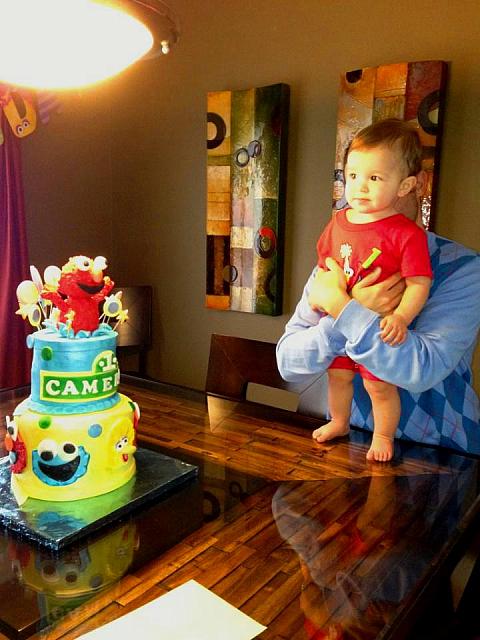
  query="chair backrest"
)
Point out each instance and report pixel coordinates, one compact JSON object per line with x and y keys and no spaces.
{"x":135,"y":334}
{"x":243,"y":369}
{"x":137,"y":330}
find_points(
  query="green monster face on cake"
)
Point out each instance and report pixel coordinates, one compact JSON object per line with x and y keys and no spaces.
{"x":74,"y":437}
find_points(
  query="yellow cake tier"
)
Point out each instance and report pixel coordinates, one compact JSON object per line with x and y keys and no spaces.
{"x":71,"y":457}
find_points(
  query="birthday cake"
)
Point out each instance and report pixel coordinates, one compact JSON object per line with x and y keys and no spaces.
{"x":74,"y":436}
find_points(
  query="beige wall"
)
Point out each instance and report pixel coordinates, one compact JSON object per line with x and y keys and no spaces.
{"x":132,"y":154}
{"x":68,"y":181}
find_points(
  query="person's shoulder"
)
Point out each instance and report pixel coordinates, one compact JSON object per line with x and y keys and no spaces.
{"x":450,"y":250}
{"x":449,"y":257}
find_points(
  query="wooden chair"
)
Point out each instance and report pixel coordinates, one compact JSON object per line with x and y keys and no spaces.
{"x":243,"y":369}
{"x":135,"y":335}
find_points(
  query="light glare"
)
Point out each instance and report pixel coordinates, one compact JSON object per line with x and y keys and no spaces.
{"x":62,"y":44}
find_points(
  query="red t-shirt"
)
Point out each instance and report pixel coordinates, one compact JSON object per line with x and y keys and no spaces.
{"x":396,"y":243}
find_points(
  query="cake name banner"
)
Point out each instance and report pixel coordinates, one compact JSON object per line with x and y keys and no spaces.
{"x":101,"y":382}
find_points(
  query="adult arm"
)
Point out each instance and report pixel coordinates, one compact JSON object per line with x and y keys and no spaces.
{"x":309,"y":343}
{"x":442,"y":340}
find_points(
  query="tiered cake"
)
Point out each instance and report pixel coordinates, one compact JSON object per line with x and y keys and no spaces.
{"x":74,"y":437}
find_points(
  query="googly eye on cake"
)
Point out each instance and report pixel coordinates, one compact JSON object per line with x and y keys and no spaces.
{"x":74,"y":436}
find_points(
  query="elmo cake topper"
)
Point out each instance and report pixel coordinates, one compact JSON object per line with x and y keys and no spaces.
{"x":81,"y":287}
{"x":75,"y":291}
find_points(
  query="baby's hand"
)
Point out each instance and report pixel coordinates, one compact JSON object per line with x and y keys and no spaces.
{"x":394,"y":329}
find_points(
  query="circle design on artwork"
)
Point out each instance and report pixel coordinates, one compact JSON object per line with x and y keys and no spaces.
{"x":270,"y":286}
{"x":230,"y":273}
{"x":241,"y":157}
{"x":220,"y":130}
{"x":45,"y":422}
{"x":265,"y":242}
{"x":429,"y":103}
{"x":95,"y":430}
{"x":47,"y":353}
{"x":354,"y":76}
{"x":254,"y":148}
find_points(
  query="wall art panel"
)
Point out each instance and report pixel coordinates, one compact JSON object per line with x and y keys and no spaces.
{"x":412,"y":91}
{"x":246,"y":182}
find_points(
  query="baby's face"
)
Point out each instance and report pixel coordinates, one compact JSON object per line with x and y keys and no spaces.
{"x":373,"y":180}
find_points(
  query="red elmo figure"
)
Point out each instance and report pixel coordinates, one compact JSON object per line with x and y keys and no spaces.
{"x":15,"y":447}
{"x":80,"y":290}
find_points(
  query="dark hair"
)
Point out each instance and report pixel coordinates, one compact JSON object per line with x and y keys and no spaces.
{"x":392,"y":132}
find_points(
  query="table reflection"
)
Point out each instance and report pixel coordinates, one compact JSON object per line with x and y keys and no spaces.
{"x":66,"y":582}
{"x":364,"y":545}
{"x":39,"y":586}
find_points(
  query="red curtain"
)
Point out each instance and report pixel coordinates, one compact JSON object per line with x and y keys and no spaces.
{"x":14,"y":355}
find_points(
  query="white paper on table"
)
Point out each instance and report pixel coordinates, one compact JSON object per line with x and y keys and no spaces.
{"x":188,"y":612}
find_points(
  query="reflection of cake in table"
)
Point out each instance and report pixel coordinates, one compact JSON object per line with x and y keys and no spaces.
{"x":80,"y":570}
{"x":74,"y":437}
{"x":66,"y":581}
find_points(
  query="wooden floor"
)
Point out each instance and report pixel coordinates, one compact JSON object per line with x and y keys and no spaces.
{"x":246,"y":556}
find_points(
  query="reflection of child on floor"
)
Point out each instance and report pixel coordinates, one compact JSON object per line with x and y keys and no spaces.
{"x":382,"y":163}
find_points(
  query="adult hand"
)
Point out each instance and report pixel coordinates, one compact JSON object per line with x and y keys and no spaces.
{"x":381,"y":297}
{"x":329,"y":289}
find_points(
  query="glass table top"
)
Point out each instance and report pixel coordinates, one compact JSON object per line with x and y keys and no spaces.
{"x":58,"y":524}
{"x":345,"y":554}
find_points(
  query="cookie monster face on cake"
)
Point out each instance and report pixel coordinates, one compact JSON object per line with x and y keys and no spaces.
{"x":74,"y":456}
{"x":74,"y":436}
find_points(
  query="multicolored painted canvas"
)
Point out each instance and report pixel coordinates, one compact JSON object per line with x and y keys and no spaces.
{"x":246,"y":176}
{"x":413,"y":91}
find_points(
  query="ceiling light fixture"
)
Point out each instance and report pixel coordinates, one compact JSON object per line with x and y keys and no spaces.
{"x":64,"y":44}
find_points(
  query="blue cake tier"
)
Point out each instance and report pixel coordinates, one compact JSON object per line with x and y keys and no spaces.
{"x":73,"y":375}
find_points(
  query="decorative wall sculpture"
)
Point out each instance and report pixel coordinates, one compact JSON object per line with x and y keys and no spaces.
{"x":414,"y":92}
{"x":246,"y":175}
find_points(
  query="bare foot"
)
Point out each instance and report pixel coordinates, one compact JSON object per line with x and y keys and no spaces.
{"x":331,"y":430}
{"x":381,"y":449}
